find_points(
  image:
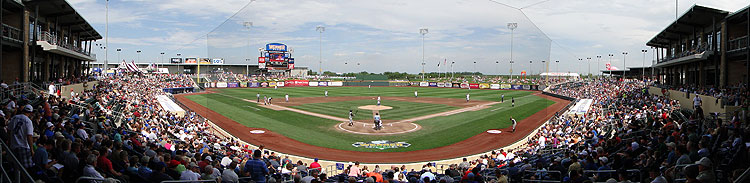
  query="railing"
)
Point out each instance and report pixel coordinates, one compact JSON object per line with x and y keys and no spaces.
{"x":737,"y":44}
{"x":94,"y":179}
{"x":52,"y":39}
{"x":16,"y":172}
{"x":685,"y":53}
{"x":187,"y":181}
{"x":12,"y":33}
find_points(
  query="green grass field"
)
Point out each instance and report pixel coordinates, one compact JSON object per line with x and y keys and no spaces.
{"x":435,"y":132}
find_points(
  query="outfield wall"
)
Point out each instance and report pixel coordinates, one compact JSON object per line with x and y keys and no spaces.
{"x":312,"y":83}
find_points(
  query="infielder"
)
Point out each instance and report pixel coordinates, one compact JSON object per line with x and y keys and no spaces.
{"x":269,"y":100}
{"x":378,"y":99}
{"x":351,"y":115}
{"x":415,"y":94}
{"x":467,"y":97}
{"x":512,"y":102}
{"x":377,"y":121}
{"x":265,"y":100}
{"x":326,"y":93}
{"x":258,"y":96}
{"x":502,"y":98}
{"x":514,"y":123}
{"x":286,"y":96}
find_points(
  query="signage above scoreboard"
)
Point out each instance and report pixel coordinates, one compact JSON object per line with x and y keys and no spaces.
{"x":275,"y":47}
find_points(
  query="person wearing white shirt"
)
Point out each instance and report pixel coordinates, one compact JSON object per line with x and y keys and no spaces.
{"x":89,"y":169}
{"x":190,"y":174}
{"x":52,"y":89}
{"x":228,"y":175}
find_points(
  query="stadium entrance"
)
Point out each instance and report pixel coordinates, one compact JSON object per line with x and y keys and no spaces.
{"x":276,"y":60}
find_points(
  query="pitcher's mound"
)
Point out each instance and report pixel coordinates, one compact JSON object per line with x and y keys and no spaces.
{"x":375,"y":107}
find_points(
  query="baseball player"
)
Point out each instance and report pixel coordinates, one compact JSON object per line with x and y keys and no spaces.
{"x":377,"y":121}
{"x":265,"y":100}
{"x":514,"y":123}
{"x":502,"y":98}
{"x":467,"y":97}
{"x":351,"y":115}
{"x":415,"y":94}
{"x":286,"y":96}
{"x":369,"y":86}
{"x":269,"y":100}
{"x":512,"y":102}
{"x":378,"y":99}
{"x":258,"y":96}
{"x":326,"y":93}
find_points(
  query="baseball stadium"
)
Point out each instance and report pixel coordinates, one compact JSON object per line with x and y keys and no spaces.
{"x":374,"y":91}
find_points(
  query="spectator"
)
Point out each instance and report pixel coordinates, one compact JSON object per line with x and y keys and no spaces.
{"x":22,"y":130}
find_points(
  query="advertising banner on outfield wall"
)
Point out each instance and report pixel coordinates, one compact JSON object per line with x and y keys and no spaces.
{"x":534,"y":87}
{"x":233,"y":85}
{"x":213,"y":85}
{"x":280,"y":84}
{"x":448,"y":85}
{"x":221,"y":84}
{"x":441,"y":85}
{"x":504,"y":86}
{"x":526,"y":87}
{"x":313,"y":83}
{"x":253,"y":85}
{"x":424,"y":84}
{"x":296,"y":83}
{"x":264,"y":84}
{"x":456,"y":85}
{"x":516,"y":87}
{"x":243,"y":85}
{"x":335,"y":83}
{"x":271,"y":84}
{"x":464,"y":85}
{"x":473,"y":85}
{"x":484,"y":85}
{"x":433,"y":84}
{"x":322,"y":83}
{"x":494,"y":86}
{"x":207,"y":85}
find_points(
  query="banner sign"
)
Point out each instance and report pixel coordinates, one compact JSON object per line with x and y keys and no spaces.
{"x":381,"y":144}
{"x":494,"y":86}
{"x":271,"y":84}
{"x":581,"y":107}
{"x":339,"y":166}
{"x":213,"y":85}
{"x":322,"y":83}
{"x":335,"y":83}
{"x":504,"y":86}
{"x":313,"y":83}
{"x":261,"y":62}
{"x":484,"y":85}
{"x":217,"y":61}
{"x":526,"y":87}
{"x":205,"y":61}
{"x":464,"y":85}
{"x":207,"y":85}
{"x":253,"y":85}
{"x":296,"y":82}
{"x":191,"y":60}
{"x":280,"y":84}
{"x":233,"y":85}
{"x":275,"y":47}
{"x":534,"y":87}
{"x":473,"y":85}
{"x":448,"y":85}
{"x":516,"y":87}
{"x":175,"y":60}
{"x":243,"y":85}
{"x":440,"y":85}
{"x":456,"y":85}
{"x":221,"y":84}
{"x":264,"y":84}
{"x":424,"y":84}
{"x":433,"y":84}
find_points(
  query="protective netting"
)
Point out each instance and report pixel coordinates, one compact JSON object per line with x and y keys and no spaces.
{"x":379,"y":36}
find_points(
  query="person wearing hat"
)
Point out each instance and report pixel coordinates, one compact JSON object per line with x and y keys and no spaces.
{"x":706,"y":172}
{"x":190,"y":173}
{"x":159,"y":175}
{"x":22,"y":130}
{"x":603,"y":167}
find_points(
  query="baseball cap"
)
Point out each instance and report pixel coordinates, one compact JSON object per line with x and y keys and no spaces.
{"x":28,"y":108}
{"x":704,"y":161}
{"x":603,"y":159}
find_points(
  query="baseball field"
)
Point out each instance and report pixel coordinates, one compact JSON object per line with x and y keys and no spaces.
{"x":438,"y":117}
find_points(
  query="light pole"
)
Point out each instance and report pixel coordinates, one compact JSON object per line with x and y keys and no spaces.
{"x":557,"y":66}
{"x":248,"y":25}
{"x":529,"y":71}
{"x":106,"y":36}
{"x":512,"y":27}
{"x":610,"y":63}
{"x":598,"y":59}
{"x":452,"y":70}
{"x":643,"y":64}
{"x":423,"y":31}
{"x":623,"y":63}
{"x":118,"y":54}
{"x":588,"y":60}
{"x":497,"y":62}
{"x":162,"y":59}
{"x":179,"y":55}
{"x":475,"y":69}
{"x":320,"y":29}
{"x":139,"y":55}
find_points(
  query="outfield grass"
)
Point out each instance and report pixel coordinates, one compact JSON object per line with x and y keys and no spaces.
{"x":435,"y":132}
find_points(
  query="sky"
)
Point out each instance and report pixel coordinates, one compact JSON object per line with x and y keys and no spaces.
{"x":380,"y":36}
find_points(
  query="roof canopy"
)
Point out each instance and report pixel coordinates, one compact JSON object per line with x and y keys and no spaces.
{"x":696,"y":17}
{"x":66,"y":15}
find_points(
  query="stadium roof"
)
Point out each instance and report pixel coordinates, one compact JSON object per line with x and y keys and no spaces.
{"x":65,"y":15}
{"x":696,"y":17}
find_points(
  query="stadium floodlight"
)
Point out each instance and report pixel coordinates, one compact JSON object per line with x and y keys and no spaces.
{"x":598,"y":59}
{"x":248,"y":25}
{"x":624,"y":54}
{"x":162,"y":59}
{"x":512,"y":27}
{"x":320,"y":29}
{"x":496,"y":62}
{"x":643,"y":64}
{"x":118,"y":54}
{"x":588,"y":60}
{"x":528,"y":73}
{"x":475,"y":69}
{"x":452,"y":70}
{"x":423,"y":31}
{"x":106,"y":35}
{"x":557,"y":66}
{"x":139,"y":55}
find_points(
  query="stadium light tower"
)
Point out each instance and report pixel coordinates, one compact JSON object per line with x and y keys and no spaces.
{"x":643,"y":64}
{"x":118,"y":54}
{"x":452,"y":70}
{"x":423,"y":31}
{"x":512,"y":27}
{"x":598,"y":59}
{"x":623,"y":63}
{"x":475,"y":69}
{"x":610,"y":62}
{"x":529,"y":71}
{"x":106,"y":36}
{"x":557,"y":66}
{"x":320,"y":29}
{"x":496,"y":62}
{"x":588,"y":60}
{"x":139,"y":55}
{"x":248,"y":25}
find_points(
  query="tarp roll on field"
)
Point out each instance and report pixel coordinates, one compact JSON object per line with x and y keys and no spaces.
{"x":169,"y":105}
{"x":581,"y":107}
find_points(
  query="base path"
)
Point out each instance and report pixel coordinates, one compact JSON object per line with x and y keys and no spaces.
{"x":479,"y":143}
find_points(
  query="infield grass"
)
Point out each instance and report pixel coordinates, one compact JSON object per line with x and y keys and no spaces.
{"x":436,"y":132}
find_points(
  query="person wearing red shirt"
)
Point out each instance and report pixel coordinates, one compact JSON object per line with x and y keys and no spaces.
{"x":377,"y":175}
{"x":104,"y":164}
{"x":315,"y":165}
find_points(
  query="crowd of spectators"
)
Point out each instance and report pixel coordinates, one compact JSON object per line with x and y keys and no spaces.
{"x":119,"y":132}
{"x":731,"y":95}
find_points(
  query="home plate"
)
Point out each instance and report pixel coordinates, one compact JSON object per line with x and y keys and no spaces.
{"x":257,"y":131}
{"x":494,"y":131}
